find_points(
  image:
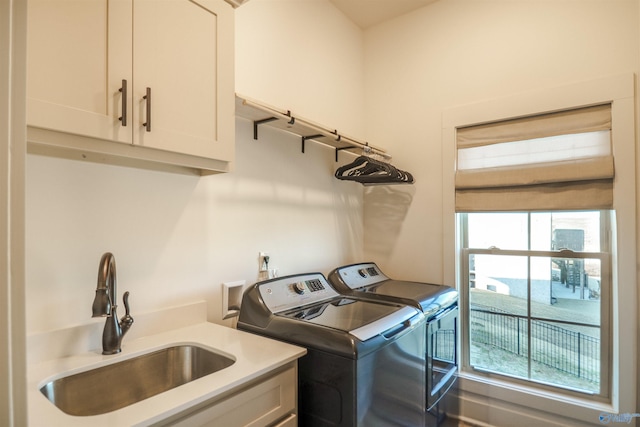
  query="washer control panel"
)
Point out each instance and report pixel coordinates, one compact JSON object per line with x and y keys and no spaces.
{"x":298,"y":287}
{"x":285,"y":293}
{"x":359,"y":275}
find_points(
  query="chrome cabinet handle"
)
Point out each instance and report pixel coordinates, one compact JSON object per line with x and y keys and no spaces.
{"x":147,"y":97}
{"x":123,"y":90}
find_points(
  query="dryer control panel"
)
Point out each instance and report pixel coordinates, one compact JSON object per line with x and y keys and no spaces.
{"x":360,"y":275}
{"x":289,"y":292}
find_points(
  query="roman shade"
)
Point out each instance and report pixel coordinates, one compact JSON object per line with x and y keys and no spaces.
{"x":556,"y":161}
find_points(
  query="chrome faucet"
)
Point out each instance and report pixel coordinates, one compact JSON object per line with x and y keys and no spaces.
{"x":104,"y":305}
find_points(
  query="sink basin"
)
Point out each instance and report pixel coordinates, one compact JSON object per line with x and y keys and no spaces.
{"x":120,"y":384}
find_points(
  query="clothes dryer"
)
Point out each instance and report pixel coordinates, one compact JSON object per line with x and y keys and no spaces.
{"x":438,"y":303}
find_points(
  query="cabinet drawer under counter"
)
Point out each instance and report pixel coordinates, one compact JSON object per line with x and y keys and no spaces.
{"x":270,"y":400}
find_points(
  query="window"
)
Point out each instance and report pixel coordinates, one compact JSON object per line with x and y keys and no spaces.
{"x":537,"y":294}
{"x":612,"y":198}
{"x":538,"y":297}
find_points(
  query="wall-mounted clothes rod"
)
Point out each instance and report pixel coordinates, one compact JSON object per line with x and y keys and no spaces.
{"x":365,"y":169}
{"x":262,"y":114}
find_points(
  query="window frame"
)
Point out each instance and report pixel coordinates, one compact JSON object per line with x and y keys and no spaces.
{"x":479,"y":396}
{"x":606,"y":332}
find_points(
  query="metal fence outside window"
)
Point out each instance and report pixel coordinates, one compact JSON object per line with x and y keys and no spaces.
{"x":568,"y":351}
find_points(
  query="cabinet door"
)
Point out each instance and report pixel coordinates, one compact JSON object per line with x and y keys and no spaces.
{"x":183,"y":52}
{"x":73,"y":77}
{"x":270,"y":402}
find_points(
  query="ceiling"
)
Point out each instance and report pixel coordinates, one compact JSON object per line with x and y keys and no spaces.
{"x":366,"y":13}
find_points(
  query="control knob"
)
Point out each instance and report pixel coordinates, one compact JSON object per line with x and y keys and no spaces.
{"x":299,"y":288}
{"x":362,"y":272}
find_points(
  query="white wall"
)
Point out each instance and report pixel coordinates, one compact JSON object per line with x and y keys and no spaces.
{"x":176,"y":238}
{"x":305,"y":56}
{"x":458,"y":52}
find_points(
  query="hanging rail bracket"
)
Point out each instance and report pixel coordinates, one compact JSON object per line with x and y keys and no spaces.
{"x":257,"y":123}
{"x":305,"y":138}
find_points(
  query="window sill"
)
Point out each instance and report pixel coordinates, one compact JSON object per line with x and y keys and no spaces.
{"x":499,"y":402}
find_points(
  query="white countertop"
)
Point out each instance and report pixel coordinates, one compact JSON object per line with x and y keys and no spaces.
{"x":254,"y":356}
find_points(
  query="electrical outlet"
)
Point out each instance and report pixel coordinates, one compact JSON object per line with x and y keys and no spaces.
{"x":232,"y":298}
{"x":263,"y":261}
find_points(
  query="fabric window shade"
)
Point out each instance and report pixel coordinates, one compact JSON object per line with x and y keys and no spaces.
{"x":554,"y":161}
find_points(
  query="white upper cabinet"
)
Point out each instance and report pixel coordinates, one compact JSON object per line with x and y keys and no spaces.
{"x":91,"y":64}
{"x":178,"y":47}
{"x":73,"y":79}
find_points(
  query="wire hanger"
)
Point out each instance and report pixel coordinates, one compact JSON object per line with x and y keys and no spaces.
{"x":369,"y":171}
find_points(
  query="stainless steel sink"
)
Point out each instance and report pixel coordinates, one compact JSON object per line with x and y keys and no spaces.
{"x":115,"y":386}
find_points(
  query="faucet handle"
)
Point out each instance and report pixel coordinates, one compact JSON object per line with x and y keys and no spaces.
{"x":126,"y":320}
